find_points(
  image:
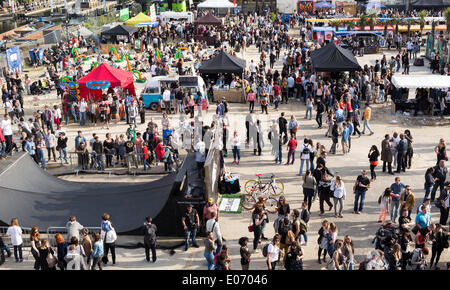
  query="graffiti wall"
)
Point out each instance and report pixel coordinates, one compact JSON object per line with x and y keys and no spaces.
{"x":305,"y":6}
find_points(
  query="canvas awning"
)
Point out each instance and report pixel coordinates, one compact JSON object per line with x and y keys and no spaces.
{"x":334,"y":58}
{"x":208,"y":19}
{"x":141,"y":17}
{"x":223,"y":63}
{"x":421,"y":81}
{"x":216,"y":4}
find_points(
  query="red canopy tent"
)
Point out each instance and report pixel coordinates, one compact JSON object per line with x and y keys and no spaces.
{"x":104,"y":72}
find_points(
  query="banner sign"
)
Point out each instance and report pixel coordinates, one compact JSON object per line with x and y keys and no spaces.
{"x":305,"y":6}
{"x":95,"y":85}
{"x":13,"y":57}
{"x":229,"y":205}
{"x":153,"y":13}
{"x":124,"y":14}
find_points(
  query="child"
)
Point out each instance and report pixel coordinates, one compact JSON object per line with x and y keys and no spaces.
{"x":145,"y":156}
{"x":245,"y":253}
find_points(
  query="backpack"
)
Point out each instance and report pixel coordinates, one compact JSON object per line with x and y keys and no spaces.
{"x":305,"y":150}
{"x":303,"y":227}
{"x":265,"y":250}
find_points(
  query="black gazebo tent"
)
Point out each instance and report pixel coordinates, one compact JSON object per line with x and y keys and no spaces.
{"x":123,"y":30}
{"x":334,"y":58}
{"x":208,"y":19}
{"x":223,"y":63}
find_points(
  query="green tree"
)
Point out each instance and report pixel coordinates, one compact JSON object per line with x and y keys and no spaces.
{"x":447,"y":19}
{"x":372,"y":20}
{"x":422,"y":15}
{"x":336,"y":24}
{"x":362,"y":22}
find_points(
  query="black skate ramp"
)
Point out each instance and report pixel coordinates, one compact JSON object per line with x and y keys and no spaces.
{"x":40,"y":199}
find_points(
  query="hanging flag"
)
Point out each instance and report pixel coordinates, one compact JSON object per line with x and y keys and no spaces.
{"x":158,"y":55}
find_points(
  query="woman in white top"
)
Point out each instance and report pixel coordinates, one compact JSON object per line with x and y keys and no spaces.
{"x":165,"y":122}
{"x":15,"y":232}
{"x":235,"y":145}
{"x":338,"y":189}
{"x":273,"y":252}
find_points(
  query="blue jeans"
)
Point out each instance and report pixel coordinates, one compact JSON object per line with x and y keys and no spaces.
{"x":381,"y":96}
{"x":146,"y":164}
{"x":308,"y":109}
{"x":2,"y":149}
{"x":304,"y":235}
{"x":395,"y":205}
{"x":301,"y":166}
{"x":427,"y":191}
{"x":63,"y":155}
{"x":191,"y":233}
{"x":236,"y":153}
{"x":82,"y":118}
{"x":312,"y":164}
{"x":18,"y":252}
{"x":133,"y":120}
{"x":366,"y":124}
{"x":6,"y":249}
{"x":180,"y":106}
{"x":279,"y":157}
{"x":358,"y":195}
{"x":41,"y":156}
{"x":219,"y":247}
{"x":210,"y":259}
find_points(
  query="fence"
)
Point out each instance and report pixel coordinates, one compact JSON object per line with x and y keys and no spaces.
{"x":25,"y":236}
{"x":52,"y":231}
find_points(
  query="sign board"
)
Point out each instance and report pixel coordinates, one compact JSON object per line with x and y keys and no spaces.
{"x":153,"y":13}
{"x":13,"y":57}
{"x":188,"y":81}
{"x":229,"y":205}
{"x":137,"y":44}
{"x":124,"y":14}
{"x":95,"y":85}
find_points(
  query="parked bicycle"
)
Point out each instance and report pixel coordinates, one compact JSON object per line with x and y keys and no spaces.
{"x":273,"y":186}
{"x":248,"y":202}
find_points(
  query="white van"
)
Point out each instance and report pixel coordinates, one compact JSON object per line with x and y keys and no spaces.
{"x":154,"y":88}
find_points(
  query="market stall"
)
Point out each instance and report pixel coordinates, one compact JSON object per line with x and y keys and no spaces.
{"x":223,"y":66}
{"x":334,"y":58}
{"x":429,"y":91}
{"x":203,"y":28}
{"x":119,"y":33}
{"x":139,"y":18}
{"x":105,"y":76}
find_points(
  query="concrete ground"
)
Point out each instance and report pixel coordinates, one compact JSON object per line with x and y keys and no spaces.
{"x":360,"y":227}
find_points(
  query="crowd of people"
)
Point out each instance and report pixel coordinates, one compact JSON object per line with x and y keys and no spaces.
{"x":342,"y":102}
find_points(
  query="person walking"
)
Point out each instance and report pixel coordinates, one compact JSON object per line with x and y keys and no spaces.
{"x":324,"y":193}
{"x":309,"y":188}
{"x":360,"y":188}
{"x":109,"y":237}
{"x":236,"y":148}
{"x":291,"y":146}
{"x":338,"y":189}
{"x":444,"y":204}
{"x":440,"y":175}
{"x":409,"y":150}
{"x":150,"y":230}
{"x":373,"y":160}
{"x":305,"y":151}
{"x":323,"y":241}
{"x":258,"y":217}
{"x":429,"y":182}
{"x":209,"y":249}
{"x":440,"y":150}
{"x":367,"y":116}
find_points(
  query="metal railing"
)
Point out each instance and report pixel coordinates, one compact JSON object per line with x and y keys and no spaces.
{"x":52,"y":231}
{"x":25,"y":236}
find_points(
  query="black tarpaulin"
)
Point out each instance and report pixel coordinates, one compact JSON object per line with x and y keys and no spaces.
{"x":121,"y":30}
{"x":223,"y":63}
{"x":334,"y":58}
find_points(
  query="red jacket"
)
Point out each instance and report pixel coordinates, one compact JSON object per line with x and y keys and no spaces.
{"x":2,"y":137}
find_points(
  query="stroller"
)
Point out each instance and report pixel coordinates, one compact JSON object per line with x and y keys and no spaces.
{"x":96,"y":162}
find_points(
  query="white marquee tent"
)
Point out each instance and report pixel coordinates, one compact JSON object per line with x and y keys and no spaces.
{"x":421,"y":81}
{"x":216,"y":4}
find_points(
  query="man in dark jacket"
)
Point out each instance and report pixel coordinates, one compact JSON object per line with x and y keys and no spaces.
{"x":440,"y":173}
{"x":149,"y":230}
{"x":402,"y":147}
{"x":282,"y":123}
{"x":319,"y":112}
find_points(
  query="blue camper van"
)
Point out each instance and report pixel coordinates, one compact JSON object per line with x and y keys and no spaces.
{"x":154,"y":88}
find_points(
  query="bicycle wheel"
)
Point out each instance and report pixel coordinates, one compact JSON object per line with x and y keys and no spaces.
{"x":276,"y":188}
{"x":271,"y":205}
{"x":248,"y":202}
{"x":251,"y":184}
